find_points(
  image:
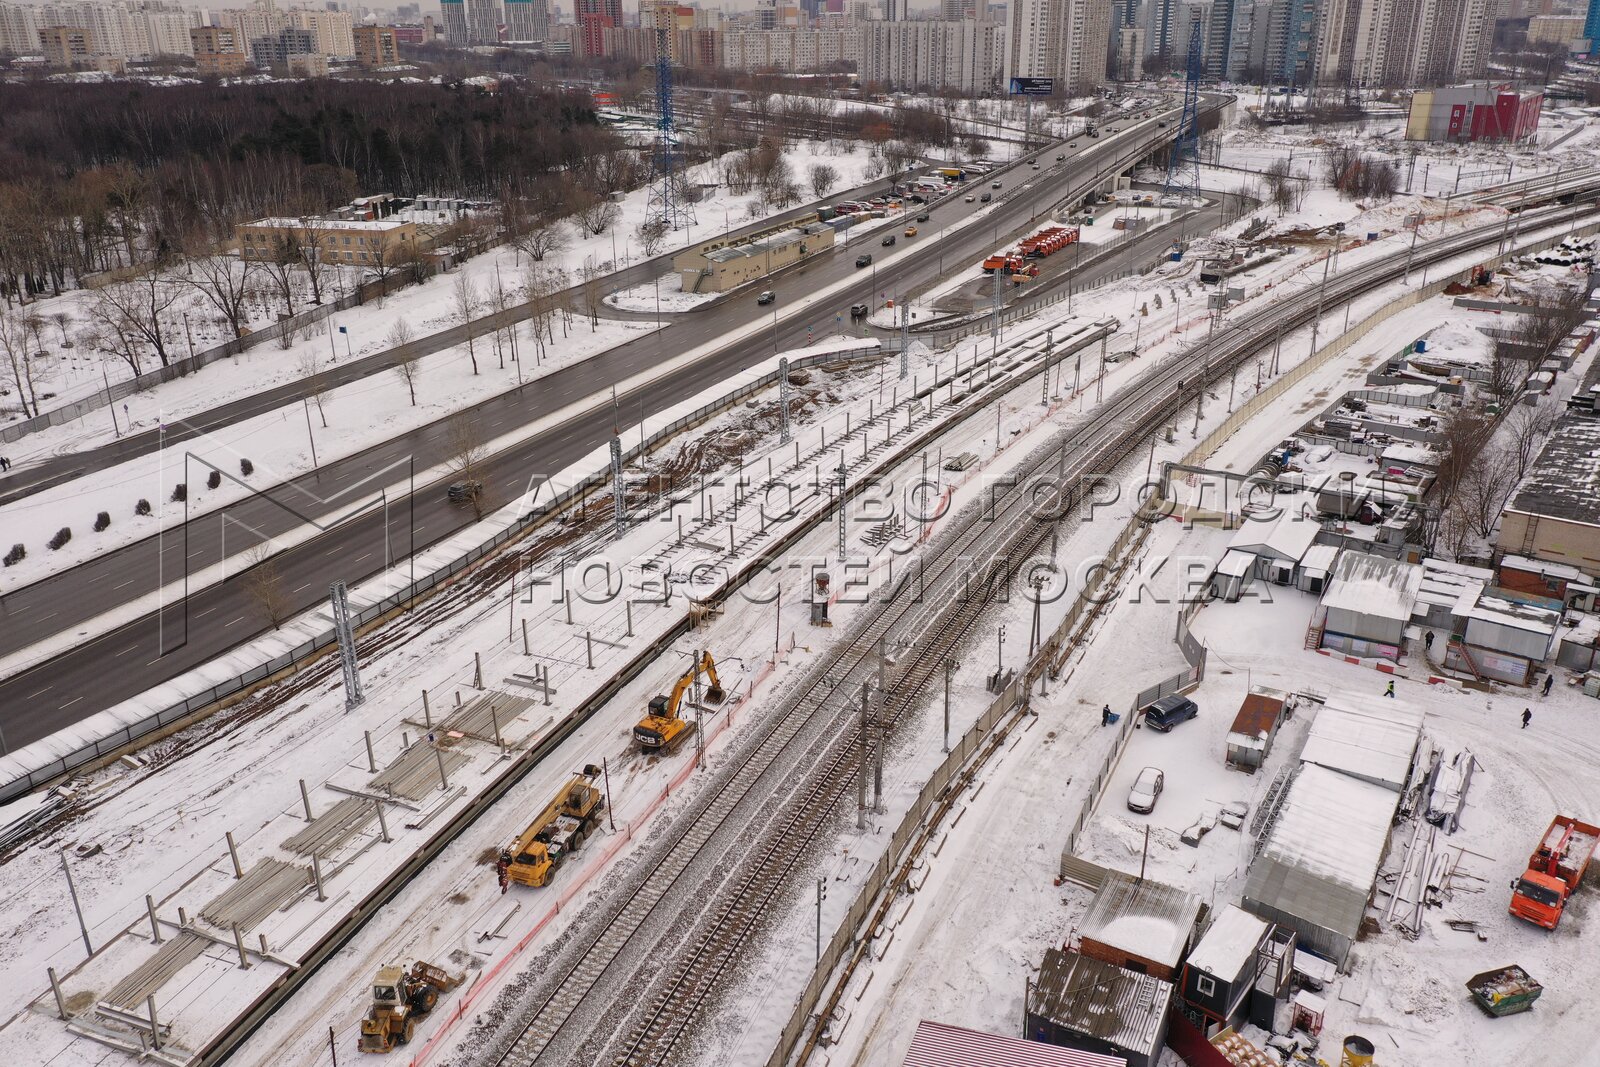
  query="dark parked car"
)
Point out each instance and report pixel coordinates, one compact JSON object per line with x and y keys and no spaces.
{"x":917,"y":198}
{"x":1168,"y":712}
{"x":464,"y":491}
{"x":866,"y":261}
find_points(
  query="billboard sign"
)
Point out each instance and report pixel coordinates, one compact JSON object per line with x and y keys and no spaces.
{"x":1032,"y":86}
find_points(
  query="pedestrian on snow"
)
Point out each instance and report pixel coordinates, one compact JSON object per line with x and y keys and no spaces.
{"x":1527,"y":717}
{"x":1427,"y":641}
{"x":1105,"y":715}
{"x":5,"y":464}
{"x":1549,"y":680}
{"x":1389,"y":692}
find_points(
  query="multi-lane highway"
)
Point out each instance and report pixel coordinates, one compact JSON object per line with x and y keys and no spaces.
{"x":101,"y":671}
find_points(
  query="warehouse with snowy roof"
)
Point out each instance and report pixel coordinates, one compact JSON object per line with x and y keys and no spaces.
{"x":1320,"y":858}
{"x":1368,"y":605}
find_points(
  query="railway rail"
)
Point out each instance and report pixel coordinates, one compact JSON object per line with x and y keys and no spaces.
{"x":783,"y":786}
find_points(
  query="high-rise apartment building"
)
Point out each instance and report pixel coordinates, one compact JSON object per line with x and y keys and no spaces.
{"x":217,"y":50}
{"x":376,"y":46}
{"x":275,"y":51}
{"x":455,"y":21}
{"x":1591,"y":25}
{"x":593,"y":17}
{"x":483,"y":21}
{"x":1419,"y":43}
{"x":527,"y":20}
{"x":64,"y":46}
{"x":1067,"y":40}
{"x":333,"y":31}
{"x":961,"y":56}
{"x":19,"y":33}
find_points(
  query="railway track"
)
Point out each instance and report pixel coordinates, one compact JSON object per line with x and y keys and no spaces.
{"x":783,"y":786}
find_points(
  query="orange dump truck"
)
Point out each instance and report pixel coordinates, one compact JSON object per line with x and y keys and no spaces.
{"x":1555,"y":870}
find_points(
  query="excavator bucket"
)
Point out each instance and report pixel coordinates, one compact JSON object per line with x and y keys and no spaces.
{"x":714,"y":694}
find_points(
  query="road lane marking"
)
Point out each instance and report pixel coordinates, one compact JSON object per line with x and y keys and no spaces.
{"x":125,"y":651}
{"x":46,"y":689}
{"x":239,"y":619}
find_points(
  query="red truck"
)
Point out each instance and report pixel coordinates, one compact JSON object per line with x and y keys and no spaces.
{"x":1554,"y":872}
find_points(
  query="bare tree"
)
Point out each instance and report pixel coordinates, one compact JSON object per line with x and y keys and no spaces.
{"x":1526,"y":427}
{"x":539,"y":241}
{"x":1454,"y":534}
{"x":466,"y":452}
{"x":594,"y":213}
{"x":13,"y":342}
{"x":312,"y":256}
{"x":466,"y":306}
{"x":593,"y":296}
{"x":264,"y":586}
{"x":408,"y":361}
{"x":281,"y":266}
{"x":1464,"y":438}
{"x":1483,"y":495}
{"x":499,"y":303}
{"x":226,"y":283}
{"x":61,"y":319}
{"x":138,"y":308}
{"x":316,"y":382}
{"x":650,"y":233}
{"x":823,"y":176}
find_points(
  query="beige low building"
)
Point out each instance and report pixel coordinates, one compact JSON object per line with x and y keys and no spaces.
{"x":1555,"y":514}
{"x":717,"y":266}
{"x":354,"y":241}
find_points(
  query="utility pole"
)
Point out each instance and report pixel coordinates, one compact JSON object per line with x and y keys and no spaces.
{"x":1316,"y":323}
{"x":822,"y":892}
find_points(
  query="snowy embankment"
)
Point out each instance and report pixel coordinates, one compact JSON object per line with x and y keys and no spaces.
{"x":70,"y":368}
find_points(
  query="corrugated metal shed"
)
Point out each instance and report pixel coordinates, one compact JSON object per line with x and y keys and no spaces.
{"x":1102,"y":1001}
{"x":939,"y":1045}
{"x":1364,"y":584}
{"x":1372,"y":738}
{"x":1141,"y":918}
{"x":1316,"y":868}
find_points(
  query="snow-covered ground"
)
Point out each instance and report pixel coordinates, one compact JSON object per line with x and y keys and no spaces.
{"x":988,"y":895}
{"x":280,"y":445}
{"x":73,"y":372}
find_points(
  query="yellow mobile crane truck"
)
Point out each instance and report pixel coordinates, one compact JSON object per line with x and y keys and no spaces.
{"x":664,"y":728}
{"x":562,"y":827}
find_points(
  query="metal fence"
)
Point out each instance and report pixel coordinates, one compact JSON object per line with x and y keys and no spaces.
{"x":845,"y":939}
{"x":180,"y":368}
{"x":47,"y":770}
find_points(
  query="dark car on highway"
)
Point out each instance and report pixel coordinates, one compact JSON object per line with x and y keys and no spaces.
{"x":863,"y":261}
{"x":464,"y":491}
{"x":1168,"y":712}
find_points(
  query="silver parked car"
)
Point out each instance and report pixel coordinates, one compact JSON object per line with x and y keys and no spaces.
{"x":1146,"y":790}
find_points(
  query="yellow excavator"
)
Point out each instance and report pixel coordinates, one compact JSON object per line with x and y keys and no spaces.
{"x":664,"y":728}
{"x":561,"y":828}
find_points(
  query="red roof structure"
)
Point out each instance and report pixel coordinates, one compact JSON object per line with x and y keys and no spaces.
{"x":940,"y":1045}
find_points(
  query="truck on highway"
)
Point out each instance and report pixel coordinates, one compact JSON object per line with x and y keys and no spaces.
{"x":1555,"y":870}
